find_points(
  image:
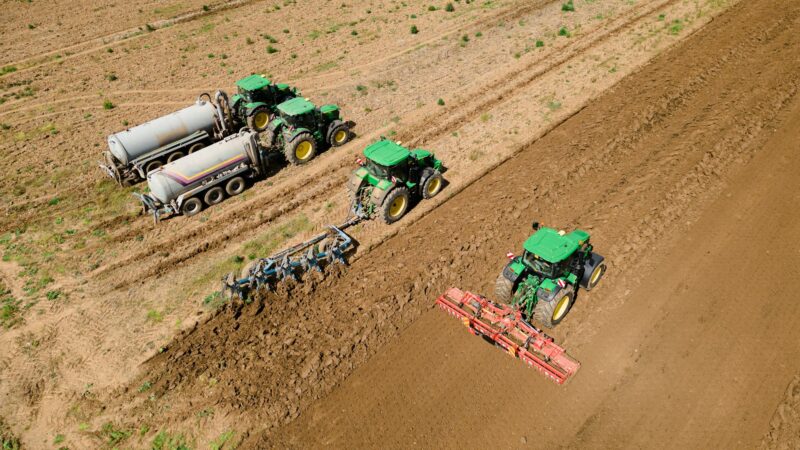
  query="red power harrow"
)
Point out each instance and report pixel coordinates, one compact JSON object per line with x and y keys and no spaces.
{"x":505,"y":327}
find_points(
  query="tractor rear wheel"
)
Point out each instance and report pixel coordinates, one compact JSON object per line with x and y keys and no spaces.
{"x":338,"y":133}
{"x":432,"y":185}
{"x":301,"y":149}
{"x":395,"y":205}
{"x":503,"y":289}
{"x":213,"y":196}
{"x":553,"y":312}
{"x":258,"y":119}
{"x":191,"y":206}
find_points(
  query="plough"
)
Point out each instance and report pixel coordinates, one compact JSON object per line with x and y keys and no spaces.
{"x":322,"y":250}
{"x":505,"y":327}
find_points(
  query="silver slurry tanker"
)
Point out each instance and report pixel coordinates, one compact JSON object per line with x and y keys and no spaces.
{"x":134,"y":152}
{"x":205,"y":177}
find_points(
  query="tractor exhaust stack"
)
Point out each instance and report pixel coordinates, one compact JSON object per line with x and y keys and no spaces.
{"x":505,"y":327}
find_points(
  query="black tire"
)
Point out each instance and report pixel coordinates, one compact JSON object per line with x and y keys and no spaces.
{"x":235,"y":186}
{"x":396,"y":204}
{"x":549,"y":313}
{"x":432,"y":185}
{"x":258,"y":119}
{"x":338,"y":133}
{"x":192,"y":206}
{"x":174,"y":157}
{"x":152,"y":165}
{"x":503,"y":289}
{"x":213,"y":196}
{"x":195,"y":147}
{"x":593,"y":270}
{"x":301,"y":149}
{"x":596,"y":276}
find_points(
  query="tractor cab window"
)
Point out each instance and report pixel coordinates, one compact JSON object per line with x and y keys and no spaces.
{"x":539,"y":266}
{"x":400,"y":171}
{"x":377,"y":170}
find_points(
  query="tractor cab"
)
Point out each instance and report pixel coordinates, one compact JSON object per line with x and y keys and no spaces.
{"x":256,"y":99}
{"x":544,"y":280}
{"x":259,"y":89}
{"x":297,"y":112}
{"x":389,"y":177}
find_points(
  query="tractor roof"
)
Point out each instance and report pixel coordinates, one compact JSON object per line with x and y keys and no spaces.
{"x":551,"y":246}
{"x":253,"y":83}
{"x":296,"y":107}
{"x":386,"y":153}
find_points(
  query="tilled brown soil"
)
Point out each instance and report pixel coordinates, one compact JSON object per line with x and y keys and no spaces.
{"x":637,"y":168}
{"x":124,"y":287}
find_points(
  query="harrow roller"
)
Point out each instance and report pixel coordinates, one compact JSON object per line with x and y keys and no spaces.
{"x":505,"y":327}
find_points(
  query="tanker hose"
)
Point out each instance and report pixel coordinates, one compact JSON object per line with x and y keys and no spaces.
{"x":224,"y":110}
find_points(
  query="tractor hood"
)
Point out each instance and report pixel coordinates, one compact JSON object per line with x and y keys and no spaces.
{"x":554,"y":246}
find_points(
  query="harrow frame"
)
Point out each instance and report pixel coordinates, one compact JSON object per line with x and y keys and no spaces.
{"x":505,"y":327}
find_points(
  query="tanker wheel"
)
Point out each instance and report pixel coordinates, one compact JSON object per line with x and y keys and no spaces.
{"x":503,"y":288}
{"x":196,"y":147}
{"x":152,"y":165}
{"x":192,"y":206}
{"x":258,"y":119}
{"x":235,"y":186}
{"x":213,"y":196}
{"x":396,"y":205}
{"x":597,"y":274}
{"x":432,"y":185}
{"x":553,"y":312}
{"x":174,"y":157}
{"x":301,"y":149}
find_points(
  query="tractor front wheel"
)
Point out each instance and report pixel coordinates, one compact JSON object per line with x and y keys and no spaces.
{"x":396,"y":205}
{"x":338,"y":133}
{"x":503,"y":289}
{"x":433,"y":185}
{"x":553,"y":312}
{"x":301,"y":149}
{"x":258,"y":119}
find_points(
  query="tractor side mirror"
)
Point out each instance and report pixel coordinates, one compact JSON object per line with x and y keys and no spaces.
{"x":535,"y":226}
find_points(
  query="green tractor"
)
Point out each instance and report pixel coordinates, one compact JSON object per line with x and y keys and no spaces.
{"x":300,"y":128}
{"x":543,"y":282}
{"x":390,"y":176}
{"x":256,"y":99}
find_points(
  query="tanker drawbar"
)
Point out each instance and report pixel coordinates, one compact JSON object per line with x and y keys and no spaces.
{"x":205,"y":177}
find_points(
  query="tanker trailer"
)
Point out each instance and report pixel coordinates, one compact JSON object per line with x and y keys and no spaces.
{"x":135,"y":152}
{"x":205,"y":177}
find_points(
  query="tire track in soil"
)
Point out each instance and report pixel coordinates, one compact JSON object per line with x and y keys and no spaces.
{"x":99,"y":43}
{"x":505,"y":14}
{"x":241,"y":219}
{"x":348,"y":317}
